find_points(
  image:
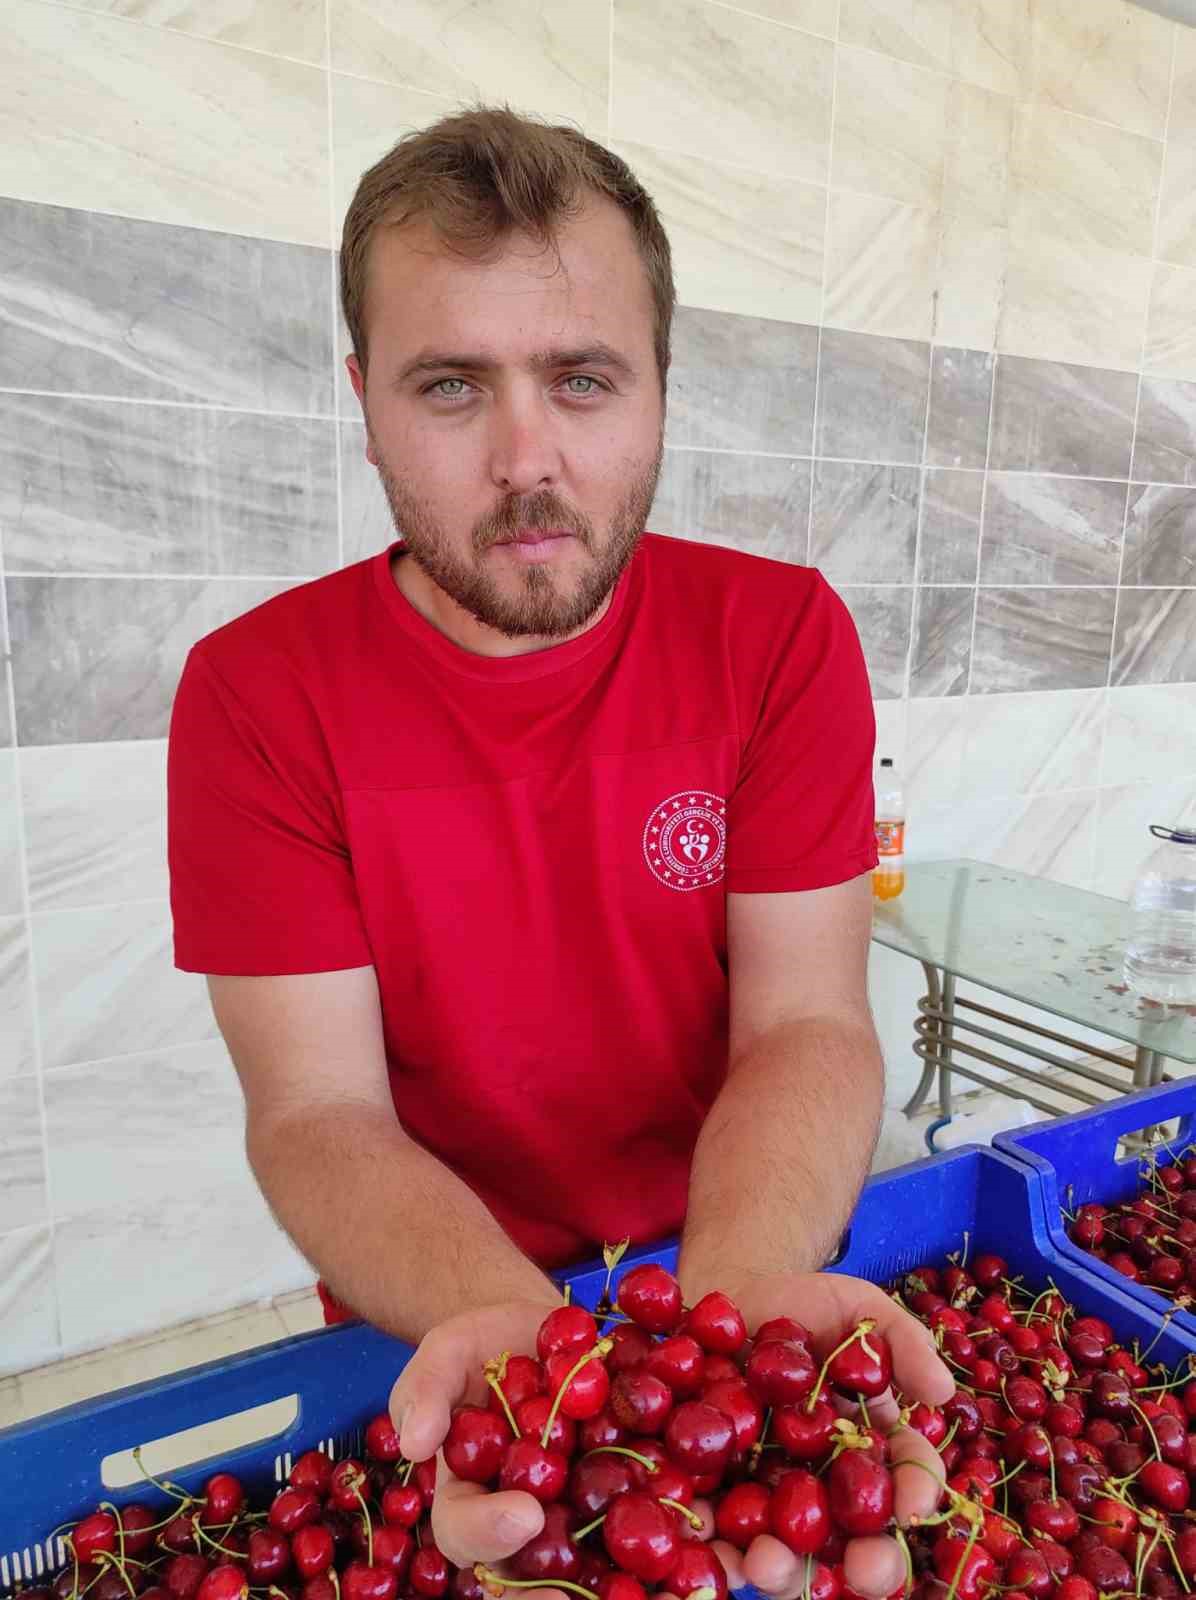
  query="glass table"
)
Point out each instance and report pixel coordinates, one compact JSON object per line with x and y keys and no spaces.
{"x":1047,"y":945}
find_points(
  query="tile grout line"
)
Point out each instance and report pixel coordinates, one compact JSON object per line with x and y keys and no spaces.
{"x":610,"y":74}
{"x":988,"y":451}
{"x":180,"y":33}
{"x":332,"y":290}
{"x":826,"y":253}
{"x":174,"y":405}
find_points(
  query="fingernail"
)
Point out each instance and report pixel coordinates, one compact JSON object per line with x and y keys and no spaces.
{"x":405,"y":1418}
{"x":513,"y":1526}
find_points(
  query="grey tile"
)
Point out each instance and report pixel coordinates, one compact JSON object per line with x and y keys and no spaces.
{"x":102,"y":486}
{"x":366,"y":523}
{"x":1051,"y":530}
{"x":1049,"y":416}
{"x":742,"y":383}
{"x":16,"y":999}
{"x":1156,"y":636}
{"x":100,"y":658}
{"x":1160,"y":536}
{"x":1042,"y":639}
{"x":865,"y":523}
{"x":22,"y":1153}
{"x":872,"y":396}
{"x":756,"y":503}
{"x":1165,"y":447}
{"x":942,"y":642}
{"x":949,"y":542}
{"x":97,"y":304}
{"x":961,"y":386}
{"x":882,"y":617}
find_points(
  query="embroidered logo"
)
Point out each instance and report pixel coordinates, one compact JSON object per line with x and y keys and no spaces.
{"x":685,"y":840}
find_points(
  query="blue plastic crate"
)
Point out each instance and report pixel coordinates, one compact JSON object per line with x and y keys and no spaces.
{"x":1075,"y":1160}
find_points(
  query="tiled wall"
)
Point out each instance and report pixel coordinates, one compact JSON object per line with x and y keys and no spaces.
{"x":937,"y":260}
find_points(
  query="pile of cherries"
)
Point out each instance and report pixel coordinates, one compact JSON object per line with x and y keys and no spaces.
{"x":1151,"y":1238}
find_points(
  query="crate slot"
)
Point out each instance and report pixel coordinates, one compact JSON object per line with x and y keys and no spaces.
{"x":207,"y":1441}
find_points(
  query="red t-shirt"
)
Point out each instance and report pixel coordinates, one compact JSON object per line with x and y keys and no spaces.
{"x":533,"y":852}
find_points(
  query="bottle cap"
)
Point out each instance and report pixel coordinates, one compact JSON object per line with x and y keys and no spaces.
{"x":1174,"y":835}
{"x":886,"y":761}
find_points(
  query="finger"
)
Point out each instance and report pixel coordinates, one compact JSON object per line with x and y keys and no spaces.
{"x":773,"y":1568}
{"x":469,"y":1524}
{"x":732,"y":1561}
{"x":423,"y":1398}
{"x":918,"y":1476}
{"x":920,"y":1371}
{"x":874,"y":1567}
{"x":705,"y":1510}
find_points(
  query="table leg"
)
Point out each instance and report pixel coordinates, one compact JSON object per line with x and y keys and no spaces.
{"x":946,"y":1034}
{"x":1148,"y":1068}
{"x":933,"y":995}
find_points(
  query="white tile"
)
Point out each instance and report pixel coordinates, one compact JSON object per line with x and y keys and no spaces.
{"x":95,"y":112}
{"x":880,"y":266}
{"x":890,"y":132}
{"x":911,"y":30}
{"x":1050,"y":836}
{"x":106,"y":985}
{"x":1102,"y":58}
{"x":23,"y":1201}
{"x":28,"y":1308}
{"x":1150,"y":733}
{"x":1125,"y":840}
{"x":16,"y":999}
{"x":891,"y":730}
{"x":281,"y":27}
{"x":95,"y":822}
{"x":368,"y":119}
{"x":990,"y":42}
{"x":1100,"y":184}
{"x":11,"y":899}
{"x":979,"y":142}
{"x":366,"y":523}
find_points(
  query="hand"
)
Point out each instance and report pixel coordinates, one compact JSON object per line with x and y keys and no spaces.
{"x":830,"y":1306}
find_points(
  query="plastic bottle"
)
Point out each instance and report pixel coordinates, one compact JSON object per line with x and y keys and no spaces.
{"x":1160,"y":958}
{"x":888,"y":879}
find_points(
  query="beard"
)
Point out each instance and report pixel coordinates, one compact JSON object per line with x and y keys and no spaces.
{"x":544,"y":605}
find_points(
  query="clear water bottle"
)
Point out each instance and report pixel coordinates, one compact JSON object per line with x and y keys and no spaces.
{"x":1160,"y":958}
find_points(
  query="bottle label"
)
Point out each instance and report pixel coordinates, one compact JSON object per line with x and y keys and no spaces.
{"x":890,"y":838}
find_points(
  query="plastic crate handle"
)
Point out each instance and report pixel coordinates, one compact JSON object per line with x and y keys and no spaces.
{"x":1115,"y":1118}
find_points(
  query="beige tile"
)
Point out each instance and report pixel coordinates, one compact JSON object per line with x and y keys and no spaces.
{"x":1171,"y":329}
{"x":100,"y":114}
{"x":10,"y":1403}
{"x":1100,"y":184}
{"x":1182,"y":125}
{"x":979,"y":135}
{"x":880,"y":266}
{"x":890,"y":135}
{"x":281,"y":27}
{"x":301,"y":1313}
{"x":689,"y":75}
{"x":1177,"y":214}
{"x":812,"y":16}
{"x":742,"y":241}
{"x":368,"y":119}
{"x":918,"y":31}
{"x":973,"y":262}
{"x":990,"y":42}
{"x":1102,"y":58}
{"x":536,"y":55}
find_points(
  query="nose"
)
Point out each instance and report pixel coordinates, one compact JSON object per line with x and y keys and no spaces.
{"x":524,"y":450}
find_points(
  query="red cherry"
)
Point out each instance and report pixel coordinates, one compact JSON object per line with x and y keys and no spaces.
{"x":532,"y":1417}
{"x":651,"y":1297}
{"x":1000,"y":1537}
{"x":393,"y":1548}
{"x":670,"y":1482}
{"x":567,"y":1328}
{"x":475,"y":1444}
{"x":799,"y":1512}
{"x":641,"y":1536}
{"x":523,"y":1378}
{"x":1026,"y":1398}
{"x":1105,"y":1568}
{"x":1165,"y":1486}
{"x":588,"y":1389}
{"x":268,"y":1555}
{"x":990,"y":1271}
{"x":1115,"y":1523}
{"x":311,"y":1471}
{"x":742,"y":1514}
{"x":312,"y":1550}
{"x":679,"y":1362}
{"x":224,"y":1582}
{"x":223,"y":1498}
{"x":292,"y":1509}
{"x":640,"y":1402}
{"x":780,"y":1372}
{"x":542,"y":1473}
{"x":929,"y":1421}
{"x":863,"y":1367}
{"x":968,"y":1572}
{"x":784,"y":1328}
{"x":348,"y":1480}
{"x":94,"y":1535}
{"x":717,"y":1324}
{"x":861,"y":1494}
{"x":1075,"y":1588}
{"x":732,"y":1396}
{"x":697,"y":1567}
{"x":805,"y":1435}
{"x":362,"y":1582}
{"x":596,"y":1432}
{"x":551,"y":1555}
{"x":184,"y":1574}
{"x":429,"y":1575}
{"x":632,"y":1347}
{"x":382,"y":1439}
{"x":621,"y":1586}
{"x":402,"y":1505}
{"x":1053,"y":1519}
{"x":594,"y":1481}
{"x":1028,"y":1570}
{"x":699,"y":1437}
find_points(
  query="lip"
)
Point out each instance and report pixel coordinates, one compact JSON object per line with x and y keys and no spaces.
{"x":536,"y":544}
{"x":538,"y":535}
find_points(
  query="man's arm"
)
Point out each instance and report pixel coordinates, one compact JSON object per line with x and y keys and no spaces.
{"x":394,"y":1233}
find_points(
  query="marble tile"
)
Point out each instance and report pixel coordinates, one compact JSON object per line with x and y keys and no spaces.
{"x":973,"y":261}
{"x":756,"y":503}
{"x":864,"y":525}
{"x":890,"y":130}
{"x":281,"y":27}
{"x":95,"y":304}
{"x":979,"y":139}
{"x":16,"y":999}
{"x":961,"y":386}
{"x":742,"y":383}
{"x":1160,"y":536}
{"x":128,"y":1270}
{"x":700,"y":78}
{"x":1156,"y":637}
{"x":1125,"y":818}
{"x":28,"y":1299}
{"x":812,"y":16}
{"x":1103,"y":59}
{"x":1042,"y":639}
{"x":1150,"y":733}
{"x":368,"y":119}
{"x":990,"y":43}
{"x":7,"y":737}
{"x":100,"y":486}
{"x":1171,"y":328}
{"x":11,"y":896}
{"x":942,"y":641}
{"x":366,"y":523}
{"x":949,"y":540}
{"x":1099,"y":184}
{"x":127,"y":650}
{"x":880,"y":267}
{"x":918,"y":31}
{"x":1050,"y":836}
{"x":22,"y":1154}
{"x":959,"y":752}
{"x":882,"y":617}
{"x":890,"y":729}
{"x":1165,"y":443}
{"x":95,"y":823}
{"x":1051,"y":530}
{"x":533,"y":54}
{"x":1182,"y":125}
{"x":872,"y":396}
{"x":1177,"y":211}
{"x":1049,"y":416}
{"x":151,"y":123}
{"x":107,"y":985}
{"x":741,"y":241}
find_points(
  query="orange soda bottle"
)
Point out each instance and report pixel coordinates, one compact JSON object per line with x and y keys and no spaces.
{"x":888,"y":879}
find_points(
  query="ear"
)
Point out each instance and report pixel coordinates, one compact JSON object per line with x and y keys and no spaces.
{"x":357,"y":379}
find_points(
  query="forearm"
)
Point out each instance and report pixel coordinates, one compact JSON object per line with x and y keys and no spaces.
{"x":782,"y":1154}
{"x":392,"y":1231}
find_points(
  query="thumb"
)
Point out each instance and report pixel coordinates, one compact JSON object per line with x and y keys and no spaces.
{"x":423,"y":1419}
{"x":471,"y":1524}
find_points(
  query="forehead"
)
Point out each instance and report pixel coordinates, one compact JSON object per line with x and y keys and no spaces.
{"x":589,"y":281}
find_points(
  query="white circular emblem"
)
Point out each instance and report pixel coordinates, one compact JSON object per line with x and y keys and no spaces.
{"x":685,"y":839}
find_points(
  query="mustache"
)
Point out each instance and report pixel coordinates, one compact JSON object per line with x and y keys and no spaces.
{"x":544,"y":509}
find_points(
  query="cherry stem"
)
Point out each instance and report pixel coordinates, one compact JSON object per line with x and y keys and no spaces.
{"x":602,"y":1348}
{"x":863,"y":1405}
{"x":108,"y":1559}
{"x":1158,"y":1454}
{"x":690,"y":1515}
{"x":369,"y":1524}
{"x":495,"y":1372}
{"x":486,"y":1575}
{"x":164,"y":1484}
{"x":967,"y":1550}
{"x":860,"y":1332}
{"x":622,"y":1450}
{"x":589,"y":1528}
{"x":106,"y":1505}
{"x":206,"y":1538}
{"x":909,"y":1560}
{"x":407,"y":1471}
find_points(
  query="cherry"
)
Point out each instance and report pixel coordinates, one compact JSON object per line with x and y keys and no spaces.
{"x":620,"y":1586}
{"x":1165,"y":1486}
{"x":360,"y":1581}
{"x":382,"y":1439}
{"x":641,"y":1536}
{"x":532,"y":1417}
{"x":528,"y":1466}
{"x":720,"y":1367}
{"x":1104,"y":1567}
{"x":679,"y":1362}
{"x":717,"y":1324}
{"x":292,"y":1509}
{"x":1116,"y":1525}
{"x":223,"y":1498}
{"x":969,"y":1572}
{"x":697,"y":1567}
{"x":587,"y":1390}
{"x":551,"y":1554}
{"x":567,"y":1328}
{"x":699,"y":1437}
{"x":1029,"y":1444}
{"x":394,"y":1548}
{"x":594,"y":1481}
{"x":1126,"y":1265}
{"x":670,"y":1482}
{"x":429,"y":1575}
{"x":268,"y":1555}
{"x":732,"y":1396}
{"x":799,"y":1512}
{"x":182,"y":1575}
{"x":650,"y":1450}
{"x":1000,"y":1536}
{"x":1185,"y":1552}
{"x":861,"y":1494}
{"x":1054,"y":1519}
{"x":1061,"y":1417}
{"x":223,"y":1582}
{"x":311,"y":1471}
{"x":348,"y":1480}
{"x":312,"y":1550}
{"x":1027,"y":1569}
{"x":94,"y":1535}
{"x":742,"y":1514}
{"x":1026,"y":1398}
{"x":596,"y":1432}
{"x":523,"y":1378}
{"x":1026,"y":1341}
{"x":640,"y":1402}
{"x":651,"y":1297}
{"x":962,"y":1411}
{"x":632,"y":1347}
{"x":464,"y":1584}
{"x":806,"y":1435}
{"x":402,"y":1504}
{"x":780,"y":1372}
{"x":425,"y":1480}
{"x":111,"y":1585}
{"x":784,"y":1328}
{"x":990,"y":1271}
{"x":864,"y":1366}
{"x":1075,"y":1588}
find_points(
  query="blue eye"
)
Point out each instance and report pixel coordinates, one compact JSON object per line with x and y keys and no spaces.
{"x":581,"y":377}
{"x":439,"y":385}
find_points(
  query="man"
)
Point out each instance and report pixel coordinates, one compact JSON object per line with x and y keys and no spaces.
{"x":529,"y":860}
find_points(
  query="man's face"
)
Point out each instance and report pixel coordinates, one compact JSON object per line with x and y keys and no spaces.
{"x":514,"y":413}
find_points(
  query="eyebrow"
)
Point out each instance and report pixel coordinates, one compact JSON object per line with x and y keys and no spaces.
{"x":590,"y":355}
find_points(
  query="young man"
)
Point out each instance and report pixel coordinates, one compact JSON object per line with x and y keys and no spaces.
{"x":529,"y":860}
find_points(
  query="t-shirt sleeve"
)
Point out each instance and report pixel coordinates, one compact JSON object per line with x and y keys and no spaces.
{"x":801,"y":813}
{"x":261,"y":880}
